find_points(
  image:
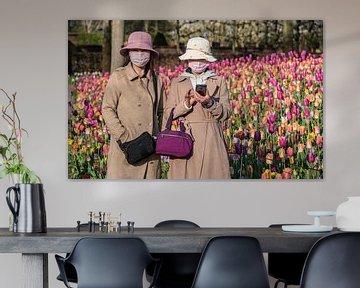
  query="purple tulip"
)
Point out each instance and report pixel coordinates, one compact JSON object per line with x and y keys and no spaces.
{"x":257,"y":135}
{"x":239,"y":148}
{"x":271,"y":129}
{"x":272,"y":118}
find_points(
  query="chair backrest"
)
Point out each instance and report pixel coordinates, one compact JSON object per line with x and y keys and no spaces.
{"x":178,"y":269}
{"x":232,"y":262}
{"x":176,"y":224}
{"x":110,"y":262}
{"x":333,"y":262}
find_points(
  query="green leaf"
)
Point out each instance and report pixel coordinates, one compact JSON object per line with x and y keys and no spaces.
{"x":4,"y":173}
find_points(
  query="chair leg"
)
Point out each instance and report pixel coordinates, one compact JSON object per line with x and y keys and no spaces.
{"x":279,"y":281}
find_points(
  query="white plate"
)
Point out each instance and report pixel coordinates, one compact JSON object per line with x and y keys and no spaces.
{"x":321,"y":213}
{"x":350,"y":229}
{"x":306,"y":228}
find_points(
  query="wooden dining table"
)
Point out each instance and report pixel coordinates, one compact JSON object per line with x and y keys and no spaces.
{"x":35,"y":247}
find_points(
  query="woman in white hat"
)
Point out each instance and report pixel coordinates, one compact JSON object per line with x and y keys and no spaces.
{"x":131,"y":106}
{"x":203,"y":109}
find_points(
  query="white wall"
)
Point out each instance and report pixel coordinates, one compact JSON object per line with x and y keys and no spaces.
{"x":33,"y":62}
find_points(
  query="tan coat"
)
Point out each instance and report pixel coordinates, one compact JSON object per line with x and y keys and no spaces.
{"x":127,"y":109}
{"x":210,"y":158}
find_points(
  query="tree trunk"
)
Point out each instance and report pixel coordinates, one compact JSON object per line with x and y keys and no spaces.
{"x":146,"y":26}
{"x":178,"y":36}
{"x":106,"y":59}
{"x":117,"y":41}
{"x":288,"y":36}
{"x":234,"y":40}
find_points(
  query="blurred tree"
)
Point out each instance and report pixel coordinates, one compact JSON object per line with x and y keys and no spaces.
{"x":117,"y":41}
{"x":288,"y":35}
{"x":106,"y":47}
{"x":91,"y":26}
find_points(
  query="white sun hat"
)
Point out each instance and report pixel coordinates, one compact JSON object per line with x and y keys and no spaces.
{"x":198,"y":48}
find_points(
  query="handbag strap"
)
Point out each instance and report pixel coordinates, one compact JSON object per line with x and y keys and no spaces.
{"x":170,"y":120}
{"x":156,"y":93}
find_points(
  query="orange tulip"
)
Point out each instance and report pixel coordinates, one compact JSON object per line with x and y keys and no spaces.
{"x":287,"y":172}
{"x":302,"y":130}
{"x":266,"y":174}
{"x":281,"y":153}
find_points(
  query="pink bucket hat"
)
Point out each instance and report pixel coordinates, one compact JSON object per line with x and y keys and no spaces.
{"x":138,"y":40}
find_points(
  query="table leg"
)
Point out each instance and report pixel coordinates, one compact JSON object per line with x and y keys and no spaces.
{"x":35,"y":270}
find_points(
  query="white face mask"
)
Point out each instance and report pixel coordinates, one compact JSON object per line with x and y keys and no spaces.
{"x":198,"y":66}
{"x":139,"y":58}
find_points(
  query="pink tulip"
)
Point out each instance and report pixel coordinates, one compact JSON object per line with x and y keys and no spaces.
{"x":282,"y":141}
{"x":311,"y":157}
{"x":307,"y":113}
{"x":290,"y":151}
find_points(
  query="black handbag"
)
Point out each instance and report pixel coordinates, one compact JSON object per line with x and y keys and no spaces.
{"x":139,"y":148}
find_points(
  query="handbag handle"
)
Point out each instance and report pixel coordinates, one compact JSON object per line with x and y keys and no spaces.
{"x":170,"y":119}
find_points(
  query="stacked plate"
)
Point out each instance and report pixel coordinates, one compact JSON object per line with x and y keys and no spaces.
{"x":316,"y":227}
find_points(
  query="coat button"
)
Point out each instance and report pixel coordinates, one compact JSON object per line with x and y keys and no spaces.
{"x":139,"y":105}
{"x":139,"y":124}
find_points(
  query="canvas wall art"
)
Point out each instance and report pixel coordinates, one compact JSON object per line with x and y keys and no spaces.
{"x":248,"y":94}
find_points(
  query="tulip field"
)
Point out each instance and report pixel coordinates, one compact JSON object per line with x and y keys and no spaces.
{"x":275,"y":129}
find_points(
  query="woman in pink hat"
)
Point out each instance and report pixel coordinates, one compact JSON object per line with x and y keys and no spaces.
{"x":131,"y":106}
{"x":200,"y":98}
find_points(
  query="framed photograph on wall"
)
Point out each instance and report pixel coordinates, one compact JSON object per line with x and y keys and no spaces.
{"x":195,"y":99}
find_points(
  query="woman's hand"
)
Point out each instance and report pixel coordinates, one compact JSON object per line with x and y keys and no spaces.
{"x":203,"y":100}
{"x":189,"y":98}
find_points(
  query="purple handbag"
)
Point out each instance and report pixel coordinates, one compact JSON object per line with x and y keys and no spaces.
{"x":176,"y":144}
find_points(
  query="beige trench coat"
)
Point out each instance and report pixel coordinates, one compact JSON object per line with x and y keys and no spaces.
{"x":209,"y":159}
{"x":127,"y":109}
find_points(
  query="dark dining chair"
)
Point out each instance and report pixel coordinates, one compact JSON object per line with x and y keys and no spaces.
{"x":232,"y":262}
{"x":285,"y":267}
{"x":333,"y":262}
{"x":178,"y":269}
{"x":70,"y":271}
{"x":108,"y":263}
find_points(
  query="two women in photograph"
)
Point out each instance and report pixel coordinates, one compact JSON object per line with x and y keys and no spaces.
{"x":198,"y":97}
